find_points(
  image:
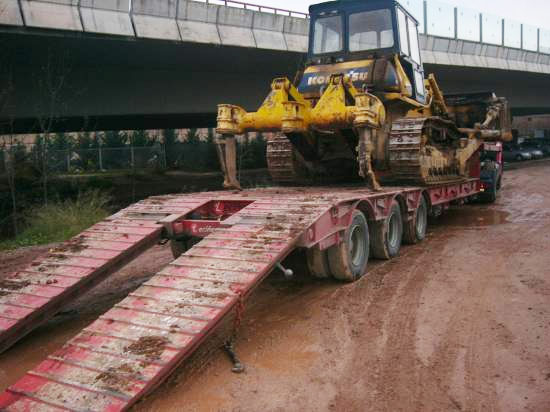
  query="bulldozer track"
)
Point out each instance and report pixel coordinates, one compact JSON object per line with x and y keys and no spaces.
{"x":408,"y":161}
{"x":284,"y":163}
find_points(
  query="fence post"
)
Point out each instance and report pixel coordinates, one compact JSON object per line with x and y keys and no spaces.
{"x":456,"y":23}
{"x":100,"y":159}
{"x":503,"y":29}
{"x":131,"y":13}
{"x":521,"y":37}
{"x":4,"y":161}
{"x":481,"y":27}
{"x":132,"y":156}
{"x":68,"y":160}
{"x":425,"y":16}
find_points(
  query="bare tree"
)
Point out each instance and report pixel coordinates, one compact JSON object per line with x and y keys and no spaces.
{"x":51,"y":83}
{"x":9,"y":149}
{"x":8,"y":142}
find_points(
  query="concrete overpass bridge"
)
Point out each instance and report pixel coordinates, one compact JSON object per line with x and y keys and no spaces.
{"x":123,"y":64}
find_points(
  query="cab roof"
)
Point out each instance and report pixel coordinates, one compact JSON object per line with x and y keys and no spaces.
{"x":329,"y":6}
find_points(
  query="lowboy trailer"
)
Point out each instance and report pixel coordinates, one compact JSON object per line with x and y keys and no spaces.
{"x":244,"y":235}
{"x":360,"y":107}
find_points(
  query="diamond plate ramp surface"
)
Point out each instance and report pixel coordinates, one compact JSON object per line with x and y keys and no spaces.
{"x":30,"y":296}
{"x":129,"y":350}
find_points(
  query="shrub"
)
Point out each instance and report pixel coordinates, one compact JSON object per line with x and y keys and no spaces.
{"x":59,"y":221}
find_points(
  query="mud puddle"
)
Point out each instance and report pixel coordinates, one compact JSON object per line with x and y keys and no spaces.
{"x":472,"y":217}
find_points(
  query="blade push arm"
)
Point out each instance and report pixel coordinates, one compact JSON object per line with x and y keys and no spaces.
{"x":234,"y":120}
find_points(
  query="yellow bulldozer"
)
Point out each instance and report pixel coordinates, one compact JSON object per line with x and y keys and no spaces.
{"x":362,"y":108}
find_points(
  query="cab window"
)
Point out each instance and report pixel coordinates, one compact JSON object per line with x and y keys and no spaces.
{"x":413,"y":37}
{"x":327,"y":37}
{"x":419,"y":82}
{"x":370,"y":30}
{"x":402,"y":22}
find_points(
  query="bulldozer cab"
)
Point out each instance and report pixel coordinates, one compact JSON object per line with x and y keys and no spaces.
{"x":362,"y":38}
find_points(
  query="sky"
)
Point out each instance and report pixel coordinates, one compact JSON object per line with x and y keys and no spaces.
{"x":533,"y":12}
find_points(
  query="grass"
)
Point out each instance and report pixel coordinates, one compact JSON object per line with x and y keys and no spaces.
{"x":59,"y":221}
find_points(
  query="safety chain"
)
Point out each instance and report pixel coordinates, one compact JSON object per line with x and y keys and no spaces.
{"x":229,"y":347}
{"x":239,"y":312}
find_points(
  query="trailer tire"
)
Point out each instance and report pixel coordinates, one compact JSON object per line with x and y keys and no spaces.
{"x":348,"y":259}
{"x":489,"y":197}
{"x":317,"y":263}
{"x":387,"y":235}
{"x":414,"y":231}
{"x":179,"y":247}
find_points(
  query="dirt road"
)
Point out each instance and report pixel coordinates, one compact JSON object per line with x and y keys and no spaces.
{"x":459,"y":322}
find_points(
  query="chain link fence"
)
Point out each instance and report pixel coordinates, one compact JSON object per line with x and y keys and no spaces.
{"x":90,"y":160}
{"x":190,"y":156}
{"x":3,"y":160}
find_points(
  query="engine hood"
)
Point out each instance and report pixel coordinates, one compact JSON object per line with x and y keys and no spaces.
{"x":316,"y":77}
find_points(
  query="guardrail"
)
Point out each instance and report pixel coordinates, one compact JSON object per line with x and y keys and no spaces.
{"x":441,"y":19}
{"x":256,"y":7}
{"x":436,"y":18}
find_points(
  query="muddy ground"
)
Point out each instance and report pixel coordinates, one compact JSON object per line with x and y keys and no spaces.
{"x":458,"y":322}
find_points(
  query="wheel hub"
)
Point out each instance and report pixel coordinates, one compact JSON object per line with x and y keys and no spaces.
{"x":393,"y":229}
{"x":357,"y":244}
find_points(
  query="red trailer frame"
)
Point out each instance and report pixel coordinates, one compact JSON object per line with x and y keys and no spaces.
{"x":133,"y":347}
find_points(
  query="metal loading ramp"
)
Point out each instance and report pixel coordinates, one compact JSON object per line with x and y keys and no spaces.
{"x":32,"y":295}
{"x":133,"y":347}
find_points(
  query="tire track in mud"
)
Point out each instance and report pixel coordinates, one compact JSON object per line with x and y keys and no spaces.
{"x":406,"y":381}
{"x":462,"y":360}
{"x":389,"y":298}
{"x":481,"y":394}
{"x":360,"y":330}
{"x":403,"y":380}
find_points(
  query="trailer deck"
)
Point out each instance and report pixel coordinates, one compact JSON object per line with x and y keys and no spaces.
{"x":134,"y":346}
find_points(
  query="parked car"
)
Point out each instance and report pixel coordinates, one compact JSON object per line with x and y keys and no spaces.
{"x":516,"y":153}
{"x":541,"y":144}
{"x":535,"y":153}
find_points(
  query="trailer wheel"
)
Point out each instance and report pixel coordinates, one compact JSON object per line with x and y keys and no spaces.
{"x":414,"y":231}
{"x":387,"y":235}
{"x":317,"y":263}
{"x":348,"y":260}
{"x":179,"y":247}
{"x":490,"y":196}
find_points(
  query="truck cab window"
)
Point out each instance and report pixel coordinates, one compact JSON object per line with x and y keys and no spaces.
{"x":370,"y":30}
{"x":327,"y":35}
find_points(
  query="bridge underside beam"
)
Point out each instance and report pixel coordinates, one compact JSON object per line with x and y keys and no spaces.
{"x":128,"y":84}
{"x":116,"y":122}
{"x":124,"y":83}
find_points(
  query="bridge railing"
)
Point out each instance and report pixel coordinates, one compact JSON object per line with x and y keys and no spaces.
{"x":256,"y":7}
{"x":437,"y":18}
